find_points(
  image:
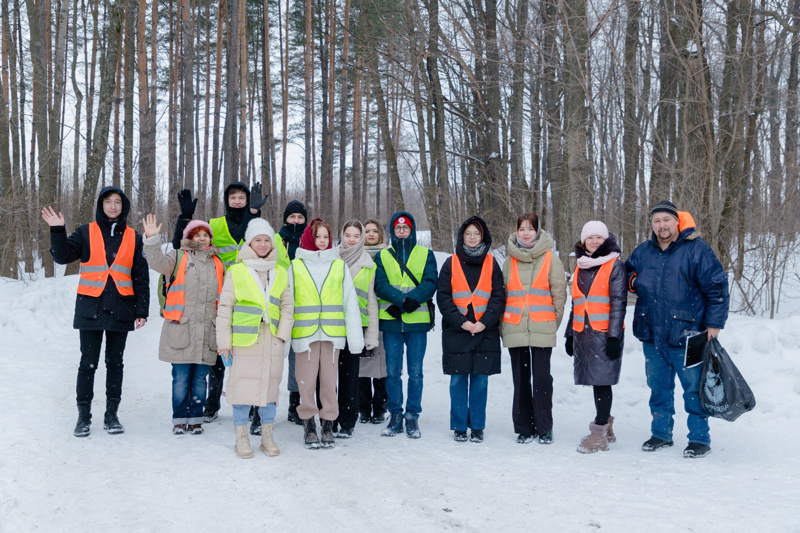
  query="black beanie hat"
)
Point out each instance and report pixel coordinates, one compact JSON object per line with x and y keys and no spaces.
{"x":295,"y":206}
{"x":664,"y":206}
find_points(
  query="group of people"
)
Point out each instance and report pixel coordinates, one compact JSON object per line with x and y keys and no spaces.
{"x":236,"y":295}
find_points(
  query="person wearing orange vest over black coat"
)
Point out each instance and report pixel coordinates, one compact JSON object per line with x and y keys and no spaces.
{"x":471,"y":297}
{"x":596,"y":326}
{"x":113,"y":296}
{"x":536,"y":292}
{"x":188,"y":336}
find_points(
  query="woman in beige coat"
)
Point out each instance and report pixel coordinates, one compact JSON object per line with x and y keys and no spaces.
{"x":188,"y":339}
{"x":255,"y":284}
{"x":535,"y":300}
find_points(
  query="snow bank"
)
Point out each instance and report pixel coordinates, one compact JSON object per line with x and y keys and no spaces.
{"x":150,"y":480}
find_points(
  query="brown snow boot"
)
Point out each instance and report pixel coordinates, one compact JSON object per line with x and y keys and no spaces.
{"x":242,"y":447}
{"x":268,"y":445}
{"x":596,"y":440}
{"x":611,"y":437}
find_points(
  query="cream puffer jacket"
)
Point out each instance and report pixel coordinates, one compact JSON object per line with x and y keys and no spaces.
{"x":527,"y":332}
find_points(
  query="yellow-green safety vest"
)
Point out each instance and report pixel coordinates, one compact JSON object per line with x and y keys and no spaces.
{"x":283,"y":255}
{"x":250,"y":306}
{"x":313,"y":309}
{"x":400,"y":281}
{"x":361,"y":283}
{"x":228,"y":248}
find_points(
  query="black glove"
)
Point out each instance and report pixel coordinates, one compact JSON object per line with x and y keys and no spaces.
{"x":368,"y":353}
{"x":187,"y":204}
{"x":613,"y":348}
{"x":410,"y":305}
{"x":568,"y":346}
{"x":394,"y":311}
{"x":257,"y":201}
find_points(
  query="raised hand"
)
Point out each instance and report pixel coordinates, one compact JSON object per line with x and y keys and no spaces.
{"x":150,"y":228}
{"x":257,"y":201}
{"x":187,"y":204}
{"x":49,"y":216}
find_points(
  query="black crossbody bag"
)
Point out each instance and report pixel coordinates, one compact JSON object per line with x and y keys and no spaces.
{"x":404,"y":268}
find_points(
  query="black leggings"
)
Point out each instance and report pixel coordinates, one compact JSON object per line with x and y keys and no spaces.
{"x":602,"y":402}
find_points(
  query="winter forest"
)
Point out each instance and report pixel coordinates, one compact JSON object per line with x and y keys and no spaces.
{"x":574,"y":109}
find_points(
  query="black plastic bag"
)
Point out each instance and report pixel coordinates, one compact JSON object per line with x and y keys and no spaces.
{"x":723,"y":391}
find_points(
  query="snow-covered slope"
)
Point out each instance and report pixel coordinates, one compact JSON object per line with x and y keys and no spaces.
{"x":149,"y":480}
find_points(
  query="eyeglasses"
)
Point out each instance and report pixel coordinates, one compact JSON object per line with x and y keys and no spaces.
{"x":472,"y":234}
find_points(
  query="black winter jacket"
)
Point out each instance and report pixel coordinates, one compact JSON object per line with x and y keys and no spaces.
{"x":110,"y":311}
{"x":591,"y":365}
{"x":462,"y":352}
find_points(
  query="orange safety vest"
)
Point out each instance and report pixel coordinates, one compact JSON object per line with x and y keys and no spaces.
{"x":176,"y":295}
{"x":95,"y":272}
{"x":537,"y":297}
{"x":462,"y":296}
{"x":597,"y":304}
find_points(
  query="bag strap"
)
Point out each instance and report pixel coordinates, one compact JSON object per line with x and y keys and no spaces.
{"x":403,"y":266}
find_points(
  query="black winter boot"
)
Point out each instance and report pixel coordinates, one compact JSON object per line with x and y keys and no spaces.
{"x":82,"y":428}
{"x":110,"y":420}
{"x":294,"y":401}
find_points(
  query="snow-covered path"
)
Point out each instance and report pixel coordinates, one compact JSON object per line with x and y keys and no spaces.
{"x":149,"y":480}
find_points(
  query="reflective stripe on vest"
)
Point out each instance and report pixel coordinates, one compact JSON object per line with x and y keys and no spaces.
{"x":176,"y":295}
{"x":597,"y":304}
{"x":250,"y":305}
{"x":361,"y":283}
{"x":537,"y":298}
{"x":462,"y":296}
{"x":95,"y":272}
{"x":400,"y":281}
{"x":228,"y":248}
{"x":313,"y":309}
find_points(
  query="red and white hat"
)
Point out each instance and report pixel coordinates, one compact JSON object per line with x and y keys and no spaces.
{"x":403,"y":220}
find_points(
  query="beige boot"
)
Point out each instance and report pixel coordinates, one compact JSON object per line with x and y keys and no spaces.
{"x":611,"y":437}
{"x":242,"y":447}
{"x":268,"y":445}
{"x":596,"y":440}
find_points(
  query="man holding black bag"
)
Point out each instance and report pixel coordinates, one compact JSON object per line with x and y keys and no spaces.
{"x":405,"y":281}
{"x":681,"y":289}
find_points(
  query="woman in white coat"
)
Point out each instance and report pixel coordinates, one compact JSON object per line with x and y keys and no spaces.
{"x":326,"y":317}
{"x":254,"y":324}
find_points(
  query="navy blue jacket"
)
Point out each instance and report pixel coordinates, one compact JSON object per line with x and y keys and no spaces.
{"x":110,"y":311}
{"x":421,"y":293}
{"x":680,"y":289}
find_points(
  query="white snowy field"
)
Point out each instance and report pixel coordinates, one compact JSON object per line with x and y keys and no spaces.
{"x":150,"y":480}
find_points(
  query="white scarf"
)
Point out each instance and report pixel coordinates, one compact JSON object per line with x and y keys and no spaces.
{"x":585,"y":262}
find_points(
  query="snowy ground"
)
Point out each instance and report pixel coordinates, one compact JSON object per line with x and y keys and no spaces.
{"x":150,"y":480}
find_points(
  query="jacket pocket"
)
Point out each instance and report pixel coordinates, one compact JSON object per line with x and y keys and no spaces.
{"x":87,"y":306}
{"x":126,"y":310}
{"x":641,"y":325}
{"x":178,"y":334}
{"x":681,"y":323}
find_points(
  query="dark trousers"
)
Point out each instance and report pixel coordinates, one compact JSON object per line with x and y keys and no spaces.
{"x":533,"y":405}
{"x":602,"y":402}
{"x":348,"y":388}
{"x":372,"y":392}
{"x":216,"y":375}
{"x":90,"y":357}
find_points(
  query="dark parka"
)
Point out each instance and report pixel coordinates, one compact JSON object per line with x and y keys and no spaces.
{"x":462,"y":352}
{"x":110,"y":311}
{"x":680,"y":289}
{"x":591,"y":365}
{"x":421,"y":293}
{"x":237,"y":218}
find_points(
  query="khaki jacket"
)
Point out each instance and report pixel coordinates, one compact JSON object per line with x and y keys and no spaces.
{"x":527,"y":332}
{"x":193,"y":340}
{"x":255,"y":376}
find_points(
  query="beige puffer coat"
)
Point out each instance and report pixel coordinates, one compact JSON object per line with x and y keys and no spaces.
{"x":255,"y":376}
{"x":527,"y":332}
{"x":193,"y":340}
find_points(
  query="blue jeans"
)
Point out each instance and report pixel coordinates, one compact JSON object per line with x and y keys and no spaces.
{"x":468,"y":394}
{"x":241,"y":414}
{"x":661,"y":365}
{"x":188,"y":393}
{"x":415,"y":343}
